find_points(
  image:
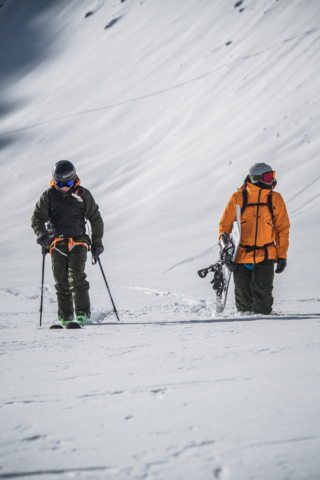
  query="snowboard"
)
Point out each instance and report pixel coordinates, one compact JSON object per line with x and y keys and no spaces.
{"x":68,"y":326}
{"x":229,"y":245}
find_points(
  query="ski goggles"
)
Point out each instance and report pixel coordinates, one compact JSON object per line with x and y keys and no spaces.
{"x":64,"y":184}
{"x":267,"y":177}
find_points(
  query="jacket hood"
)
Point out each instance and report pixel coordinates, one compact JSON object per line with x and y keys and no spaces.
{"x":254,"y":190}
{"x":75,"y":185}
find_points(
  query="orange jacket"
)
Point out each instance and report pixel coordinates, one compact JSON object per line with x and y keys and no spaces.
{"x":257,"y":229}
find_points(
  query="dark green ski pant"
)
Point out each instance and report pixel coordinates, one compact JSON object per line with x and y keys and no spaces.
{"x":71,"y":285}
{"x":253,"y":289}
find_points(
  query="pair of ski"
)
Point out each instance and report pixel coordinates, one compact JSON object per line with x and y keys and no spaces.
{"x":229,"y":245}
{"x":69,"y":326}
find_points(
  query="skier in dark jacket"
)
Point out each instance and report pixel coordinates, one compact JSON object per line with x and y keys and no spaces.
{"x":264,"y":239}
{"x":59,"y":221}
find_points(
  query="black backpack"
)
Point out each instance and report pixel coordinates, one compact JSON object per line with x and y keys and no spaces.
{"x":245,"y":203}
{"x":251,"y":248}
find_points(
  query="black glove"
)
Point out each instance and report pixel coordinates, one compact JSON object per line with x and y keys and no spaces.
{"x":231,"y":266}
{"x":282,"y":263}
{"x":44,"y":240}
{"x":96,"y":250}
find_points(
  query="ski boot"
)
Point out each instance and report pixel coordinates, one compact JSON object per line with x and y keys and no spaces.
{"x":65,"y":321}
{"x":82,"y":318}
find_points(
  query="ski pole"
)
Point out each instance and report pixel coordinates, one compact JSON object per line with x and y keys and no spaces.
{"x":104,"y":277}
{"x":44,"y":253}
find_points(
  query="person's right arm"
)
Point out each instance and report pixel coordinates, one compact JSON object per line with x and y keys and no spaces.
{"x":41,"y":215}
{"x":228,"y":217}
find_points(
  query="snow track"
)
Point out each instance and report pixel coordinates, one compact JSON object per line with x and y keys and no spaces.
{"x":161,"y":397}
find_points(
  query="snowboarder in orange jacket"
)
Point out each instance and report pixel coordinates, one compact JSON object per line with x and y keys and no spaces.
{"x":264,"y":239}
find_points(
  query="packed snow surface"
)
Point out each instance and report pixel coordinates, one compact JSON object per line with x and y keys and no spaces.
{"x":162,"y":105}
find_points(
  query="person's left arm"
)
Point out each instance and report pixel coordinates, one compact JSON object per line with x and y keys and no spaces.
{"x":94,"y":217}
{"x":282,"y":226}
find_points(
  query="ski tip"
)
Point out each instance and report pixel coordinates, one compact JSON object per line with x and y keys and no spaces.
{"x":69,"y":325}
{"x":73,"y":325}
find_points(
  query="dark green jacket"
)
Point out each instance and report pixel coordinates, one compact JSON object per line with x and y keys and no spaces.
{"x":41,"y":214}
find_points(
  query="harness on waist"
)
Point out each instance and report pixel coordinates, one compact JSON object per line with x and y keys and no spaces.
{"x":252,"y":248}
{"x":245,"y":204}
{"x":69,"y":243}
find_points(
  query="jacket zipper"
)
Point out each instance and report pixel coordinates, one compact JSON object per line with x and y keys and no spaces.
{"x":255,"y":241}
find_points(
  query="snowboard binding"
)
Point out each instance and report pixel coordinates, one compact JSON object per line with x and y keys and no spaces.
{"x":227,"y":249}
{"x":217,"y":281}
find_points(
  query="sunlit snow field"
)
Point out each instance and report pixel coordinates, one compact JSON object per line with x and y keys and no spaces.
{"x":162,"y":112}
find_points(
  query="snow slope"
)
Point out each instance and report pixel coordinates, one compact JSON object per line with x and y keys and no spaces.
{"x":163,"y":113}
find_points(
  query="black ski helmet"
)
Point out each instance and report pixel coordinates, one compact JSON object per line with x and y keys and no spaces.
{"x":64,"y":171}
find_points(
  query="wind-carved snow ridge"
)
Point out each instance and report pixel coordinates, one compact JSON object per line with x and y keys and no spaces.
{"x":160,"y":92}
{"x":294,"y":197}
{"x":18,"y":293}
{"x":191,"y":259}
{"x":53,"y":472}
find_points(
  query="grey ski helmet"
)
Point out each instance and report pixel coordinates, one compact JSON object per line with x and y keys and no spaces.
{"x":64,"y":171}
{"x":261,"y":172}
